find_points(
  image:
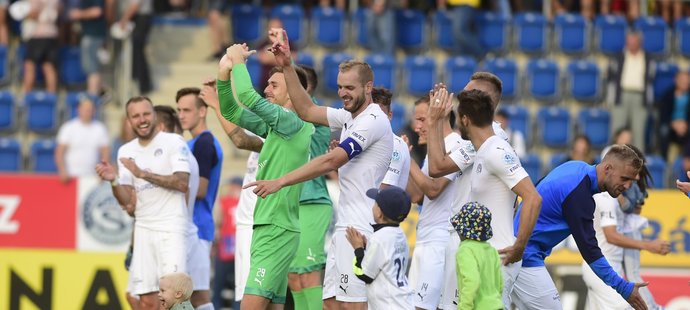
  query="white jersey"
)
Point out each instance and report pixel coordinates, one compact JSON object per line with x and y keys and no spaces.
{"x":83,"y":142}
{"x":192,"y":190}
{"x":399,"y":169}
{"x":463,"y":156}
{"x":370,"y":136}
{"x":607,"y":213}
{"x":247,"y":202}
{"x":158,"y":208}
{"x":496,"y":171}
{"x":385,"y":261}
{"x":433,"y":219}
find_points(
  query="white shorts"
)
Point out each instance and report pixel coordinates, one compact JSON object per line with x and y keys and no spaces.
{"x":449,"y":295}
{"x":243,"y":242}
{"x":155,"y":254}
{"x":534,"y":289}
{"x":600,"y":295}
{"x":339,"y":279}
{"x":426,"y":274}
{"x":199,"y":262}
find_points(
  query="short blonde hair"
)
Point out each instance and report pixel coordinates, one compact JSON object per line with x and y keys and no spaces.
{"x":180,"y":282}
{"x":366,"y":74}
{"x":625,"y":154}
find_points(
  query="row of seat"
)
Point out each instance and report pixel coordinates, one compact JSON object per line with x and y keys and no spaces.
{"x":69,"y":68}
{"x":331,"y":27}
{"x":40,"y":110}
{"x":41,"y":156}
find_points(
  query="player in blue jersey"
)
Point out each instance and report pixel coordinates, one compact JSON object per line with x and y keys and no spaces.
{"x":568,"y":208}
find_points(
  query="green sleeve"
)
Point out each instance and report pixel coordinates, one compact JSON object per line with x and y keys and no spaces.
{"x":236,"y":114}
{"x":468,"y":277}
{"x":284,"y":122}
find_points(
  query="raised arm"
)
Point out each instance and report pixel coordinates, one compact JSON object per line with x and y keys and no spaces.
{"x":440,"y":163}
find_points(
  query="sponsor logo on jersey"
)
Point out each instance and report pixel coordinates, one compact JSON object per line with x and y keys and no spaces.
{"x":479,"y":168}
{"x":396,"y":155}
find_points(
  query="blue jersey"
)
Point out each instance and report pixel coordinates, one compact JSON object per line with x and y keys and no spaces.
{"x":209,"y":155}
{"x":568,"y":208}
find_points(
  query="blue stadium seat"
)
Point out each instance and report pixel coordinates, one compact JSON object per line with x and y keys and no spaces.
{"x":532,"y":165}
{"x":410,"y":29}
{"x":595,"y":123}
{"x":337,"y":104}
{"x":43,"y":156}
{"x":506,"y":69}
{"x":531,"y":32}
{"x":292,"y":16}
{"x":359,"y":21}
{"x":655,"y":32}
{"x":10,"y":155}
{"x":420,"y":74}
{"x":519,"y":119}
{"x":328,"y":25}
{"x":8,"y":113}
{"x":399,"y":117}
{"x":572,"y":33}
{"x":679,"y":172}
{"x":458,"y":71}
{"x":4,"y":65}
{"x":657,"y":169}
{"x":610,"y":33}
{"x":72,"y":102}
{"x":543,"y":78}
{"x":71,"y":73}
{"x":247,"y":23}
{"x":583,"y":80}
{"x":557,"y":159}
{"x":682,"y":29}
{"x":304,"y":58}
{"x":384,"y":67}
{"x":664,"y":78}
{"x":41,"y":111}
{"x":554,"y":126}
{"x":254,"y":68}
{"x":443,"y":30}
{"x":493,"y":31}
{"x":329,"y":66}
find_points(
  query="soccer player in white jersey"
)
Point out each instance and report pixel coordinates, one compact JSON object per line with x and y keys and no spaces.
{"x":399,"y":169}
{"x":436,"y":196}
{"x":159,"y":188}
{"x":244,"y":219}
{"x":497,"y":178}
{"x":362,"y":159}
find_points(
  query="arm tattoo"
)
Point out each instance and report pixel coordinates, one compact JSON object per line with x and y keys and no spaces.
{"x":244,"y":141}
{"x":177,"y":181}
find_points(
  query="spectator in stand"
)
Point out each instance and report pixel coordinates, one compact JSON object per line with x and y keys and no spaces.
{"x":670,"y":10}
{"x":42,"y":44}
{"x":465,"y":31}
{"x":219,"y":35}
{"x":515,"y":138}
{"x":621,"y":136}
{"x":674,"y":116}
{"x":141,"y":13}
{"x":584,"y":7}
{"x":225,"y":242}
{"x":4,"y":34}
{"x":91,"y":14}
{"x":381,"y":25}
{"x":81,"y":143}
{"x":631,"y":9}
{"x":340,"y":4}
{"x":581,"y":150}
{"x":628,"y":79}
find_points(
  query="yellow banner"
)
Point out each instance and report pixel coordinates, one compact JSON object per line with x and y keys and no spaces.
{"x":668,"y":212}
{"x":62,"y":279}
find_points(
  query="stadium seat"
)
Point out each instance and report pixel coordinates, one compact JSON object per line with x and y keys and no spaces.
{"x":337,"y":104}
{"x":557,"y":159}
{"x":554,"y":126}
{"x":410,"y":29}
{"x":8,"y":112}
{"x":254,"y":68}
{"x":664,"y":78}
{"x":328,"y":26}
{"x":655,"y":33}
{"x":682,"y":30}
{"x":399,"y":117}
{"x":610,"y":33}
{"x":304,"y":58}
{"x":506,"y":70}
{"x":420,"y":74}
{"x":572,"y":33}
{"x":247,"y":23}
{"x":329,"y":66}
{"x":519,"y":119}
{"x":594,"y":123}
{"x":531,"y":32}
{"x":443,"y":30}
{"x":583,"y":80}
{"x":532,"y":165}
{"x":657,"y":169}
{"x":71,"y":73}
{"x":493,"y":31}
{"x":10,"y":155}
{"x":43,"y":156}
{"x":359,"y":27}
{"x":41,"y":111}
{"x":543,"y":78}
{"x":4,"y":65}
{"x":458,"y":71}
{"x":679,"y":172}
{"x":384,"y":68}
{"x":292,"y":17}
{"x":72,"y":102}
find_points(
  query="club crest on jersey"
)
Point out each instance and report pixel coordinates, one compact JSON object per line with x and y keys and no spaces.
{"x":158,"y":152}
{"x":479,"y":168}
{"x":508,"y":158}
